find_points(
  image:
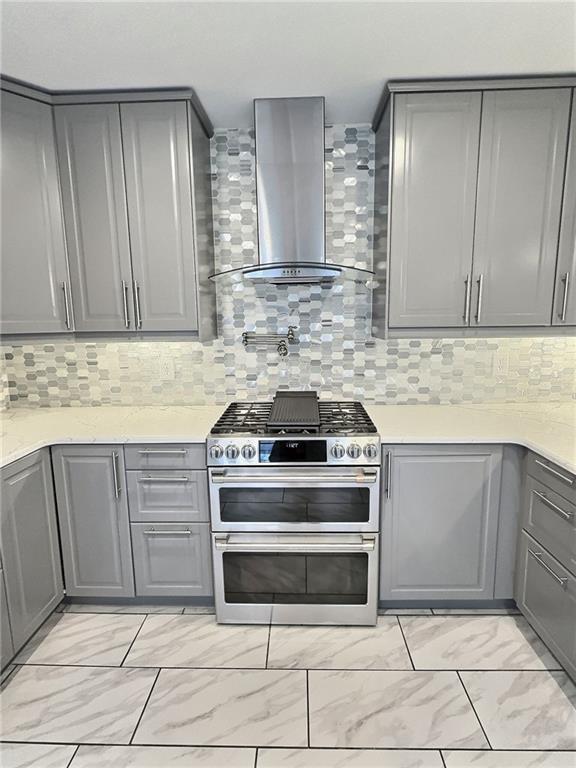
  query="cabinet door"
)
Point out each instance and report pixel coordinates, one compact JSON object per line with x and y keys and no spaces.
{"x":93,"y":516}
{"x":90,"y":152}
{"x":158,"y":187}
{"x":6,"y":644}
{"x":34,"y":267}
{"x":520,"y":178}
{"x":29,"y":543}
{"x":435,"y":160}
{"x":565,"y":295}
{"x":440,"y":523}
{"x":172,"y":559}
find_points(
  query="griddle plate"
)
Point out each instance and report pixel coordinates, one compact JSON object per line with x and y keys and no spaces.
{"x":295,"y":410}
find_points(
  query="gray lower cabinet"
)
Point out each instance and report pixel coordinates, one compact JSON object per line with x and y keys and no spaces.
{"x":565,"y":295}
{"x":90,"y":154}
{"x":546,"y":595}
{"x":435,"y":164}
{"x":6,"y":644}
{"x":93,"y":515}
{"x":172,"y":559}
{"x":34,"y":267}
{"x":29,"y":544}
{"x":520,"y":180}
{"x":159,"y":194}
{"x":440,"y":522}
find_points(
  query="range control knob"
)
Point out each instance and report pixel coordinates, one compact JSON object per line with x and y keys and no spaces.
{"x":231,"y":452}
{"x":354,"y":450}
{"x":216,"y":452}
{"x":338,"y":451}
{"x":248,"y":451}
{"x":370,"y":451}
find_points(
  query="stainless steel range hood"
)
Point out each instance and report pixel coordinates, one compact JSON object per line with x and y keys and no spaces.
{"x":290,"y":192}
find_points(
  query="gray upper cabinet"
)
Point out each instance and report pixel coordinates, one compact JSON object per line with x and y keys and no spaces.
{"x":34,"y":268}
{"x":520,"y":180}
{"x":435,"y":161}
{"x":29,"y":544}
{"x":565,"y":295}
{"x":159,"y":193}
{"x":440,"y":523}
{"x":93,"y":515}
{"x":90,"y":153}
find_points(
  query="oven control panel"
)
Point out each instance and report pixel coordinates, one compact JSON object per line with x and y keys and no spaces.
{"x":284,"y":450}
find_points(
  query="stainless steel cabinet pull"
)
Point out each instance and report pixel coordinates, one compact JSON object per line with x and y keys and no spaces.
{"x":66,"y":306}
{"x":566,"y":280}
{"x":154,"y":532}
{"x":125,"y":301}
{"x":388,"y":486}
{"x":137,"y":305}
{"x":545,"y":500}
{"x":555,"y":472}
{"x":116,"y":474}
{"x":151,"y":479}
{"x":177,"y":451}
{"x":467,"y":296}
{"x":480,"y":283}
{"x":538,"y":557}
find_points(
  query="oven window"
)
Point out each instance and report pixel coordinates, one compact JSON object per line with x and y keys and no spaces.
{"x":334,"y":579}
{"x":294,"y":505}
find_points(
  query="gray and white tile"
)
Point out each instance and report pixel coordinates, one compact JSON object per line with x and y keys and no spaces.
{"x":56,"y":704}
{"x":404,"y":612}
{"x":163,"y":757}
{"x":525,"y":710}
{"x":503,"y":759}
{"x":198,"y":641}
{"x":200,"y":609}
{"x":122,"y":608}
{"x":379,"y":647}
{"x":35,"y":755}
{"x":342,"y":758}
{"x":476,"y":612}
{"x":402,"y":710}
{"x":225,"y":707}
{"x":94,"y":640}
{"x":475,"y":642}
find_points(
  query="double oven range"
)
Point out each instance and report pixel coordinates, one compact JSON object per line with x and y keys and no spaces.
{"x":294,"y":501}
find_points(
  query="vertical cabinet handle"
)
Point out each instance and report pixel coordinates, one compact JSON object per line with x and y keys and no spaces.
{"x":137,"y":305}
{"x":116,"y":473}
{"x":566,"y":280}
{"x":467,"y":296}
{"x":66,"y":305}
{"x":388,"y":487}
{"x":480,"y":283}
{"x":125,"y":302}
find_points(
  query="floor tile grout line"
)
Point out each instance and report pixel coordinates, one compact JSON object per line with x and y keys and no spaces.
{"x":256,"y":756}
{"x":145,"y":705}
{"x":268,"y":646}
{"x":474,"y":710}
{"x":442,"y":758}
{"x":308,"y":705}
{"x":69,"y":763}
{"x":133,"y":640}
{"x":405,"y":643}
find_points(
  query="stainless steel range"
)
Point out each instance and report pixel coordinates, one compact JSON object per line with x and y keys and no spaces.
{"x":294,"y":500}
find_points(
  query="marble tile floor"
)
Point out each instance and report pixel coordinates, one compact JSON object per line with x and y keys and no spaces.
{"x":164,"y":690}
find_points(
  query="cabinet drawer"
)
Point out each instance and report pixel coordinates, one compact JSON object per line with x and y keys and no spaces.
{"x":551,"y":520}
{"x":172,"y":559}
{"x":556,"y":478}
{"x":168,"y":495}
{"x":546,"y":594}
{"x":162,"y":456}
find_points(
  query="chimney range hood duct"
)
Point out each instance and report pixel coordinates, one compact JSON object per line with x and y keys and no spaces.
{"x":290,"y":192}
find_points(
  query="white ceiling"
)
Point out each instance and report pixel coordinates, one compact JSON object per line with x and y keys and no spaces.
{"x":232,"y":52}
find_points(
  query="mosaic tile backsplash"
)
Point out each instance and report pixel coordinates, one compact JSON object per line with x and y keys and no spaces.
{"x":335,"y":352}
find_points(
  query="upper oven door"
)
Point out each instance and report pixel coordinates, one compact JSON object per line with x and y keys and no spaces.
{"x":307,"y":499}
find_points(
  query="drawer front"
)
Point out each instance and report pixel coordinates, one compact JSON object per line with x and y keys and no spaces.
{"x":546,"y":593}
{"x":556,"y":478}
{"x":172,"y":559}
{"x":551,"y":520}
{"x":164,"y":456}
{"x":168,"y":495}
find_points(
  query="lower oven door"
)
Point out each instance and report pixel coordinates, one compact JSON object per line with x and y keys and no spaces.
{"x":296,"y":578}
{"x":303,"y":499}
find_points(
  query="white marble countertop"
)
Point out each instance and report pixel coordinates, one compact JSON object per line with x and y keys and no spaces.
{"x":547,"y":428}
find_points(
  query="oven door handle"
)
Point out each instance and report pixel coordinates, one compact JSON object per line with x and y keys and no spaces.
{"x":225,"y":543}
{"x":363,"y":478}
